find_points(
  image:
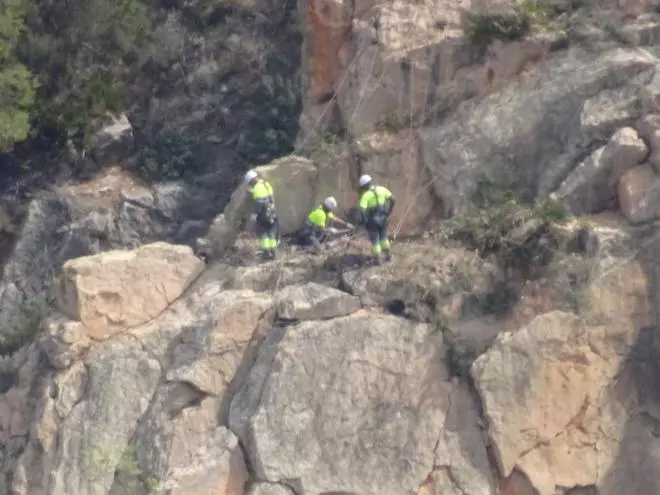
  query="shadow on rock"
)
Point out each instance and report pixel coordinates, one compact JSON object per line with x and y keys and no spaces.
{"x":634,"y":470}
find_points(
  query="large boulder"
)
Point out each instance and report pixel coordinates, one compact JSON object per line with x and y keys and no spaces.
{"x":329,"y":401}
{"x":80,"y":435}
{"x":527,"y":136}
{"x":592,"y":185}
{"x":143,"y":407}
{"x":639,"y":194}
{"x":314,"y":301}
{"x":392,"y":159}
{"x":217,"y":468}
{"x":649,"y":129}
{"x":294,"y":181}
{"x":115,"y":290}
{"x":42,"y":245}
{"x":113,"y":143}
{"x":207,"y":342}
{"x":574,"y":441}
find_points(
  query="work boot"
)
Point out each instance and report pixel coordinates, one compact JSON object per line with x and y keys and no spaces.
{"x":376,"y":260}
{"x":267,"y":254}
{"x":388,"y":254}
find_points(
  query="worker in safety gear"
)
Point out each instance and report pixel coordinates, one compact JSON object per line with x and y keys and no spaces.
{"x":265,"y":215}
{"x":376,"y":203}
{"x":314,"y":231}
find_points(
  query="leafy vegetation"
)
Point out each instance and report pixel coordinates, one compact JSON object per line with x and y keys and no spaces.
{"x":80,"y":52}
{"x":481,"y":28}
{"x":393,"y":121}
{"x":169,"y":157}
{"x":499,"y":224}
{"x":17,"y":85}
{"x":129,"y":477}
{"x":26,"y":326}
{"x":63,"y":64}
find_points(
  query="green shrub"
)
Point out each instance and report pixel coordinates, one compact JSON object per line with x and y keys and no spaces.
{"x":80,"y":51}
{"x":481,"y":28}
{"x":17,"y":84}
{"x":170,"y":156}
{"x":27,"y":325}
{"x":499,"y":224}
{"x":392,"y":121}
{"x":130,"y":479}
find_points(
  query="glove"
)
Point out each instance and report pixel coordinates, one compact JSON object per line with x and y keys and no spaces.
{"x":253,"y":217}
{"x":350,"y":226}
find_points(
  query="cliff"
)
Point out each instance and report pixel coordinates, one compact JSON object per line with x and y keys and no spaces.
{"x":509,"y":348}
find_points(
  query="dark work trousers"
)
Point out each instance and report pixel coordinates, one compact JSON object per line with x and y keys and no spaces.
{"x":377,"y":232}
{"x":267,"y":232}
{"x":310,"y":236}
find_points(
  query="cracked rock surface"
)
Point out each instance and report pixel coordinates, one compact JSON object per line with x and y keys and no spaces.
{"x":294,"y":386}
{"x":549,"y":390}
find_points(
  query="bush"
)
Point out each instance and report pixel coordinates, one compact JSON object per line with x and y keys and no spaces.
{"x":80,"y":52}
{"x":130,"y":479}
{"x":499,"y":224}
{"x":393,"y":121}
{"x":17,"y":85}
{"x":26,"y":326}
{"x":169,"y":157}
{"x":482,"y":28}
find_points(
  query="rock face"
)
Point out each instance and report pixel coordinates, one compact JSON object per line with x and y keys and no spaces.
{"x":530,"y":131}
{"x":313,"y":301}
{"x":285,"y":175}
{"x":573,"y":442}
{"x":115,"y":290}
{"x":445,"y":371}
{"x":392,"y":158}
{"x":389,"y":423}
{"x":639,"y":193}
{"x":217,"y":467}
{"x":113,"y":143}
{"x":111,"y":211}
{"x":592,"y":185}
{"x":240,"y":386}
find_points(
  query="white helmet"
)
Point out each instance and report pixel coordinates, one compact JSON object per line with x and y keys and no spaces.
{"x":365,"y":180}
{"x":330,"y":203}
{"x":250,"y":176}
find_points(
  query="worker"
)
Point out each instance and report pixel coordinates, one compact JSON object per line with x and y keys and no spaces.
{"x":376,"y":204}
{"x":314,"y":231}
{"x":265,"y":215}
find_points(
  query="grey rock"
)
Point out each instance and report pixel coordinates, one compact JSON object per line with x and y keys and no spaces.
{"x":120,"y":380}
{"x":642,"y":31}
{"x":139,"y":195}
{"x":113,"y":143}
{"x":651,"y":95}
{"x":328,"y":401}
{"x":41,"y":248}
{"x":639,"y":194}
{"x":135,"y":225}
{"x":609,"y":110}
{"x":269,"y":489}
{"x":592,"y":185}
{"x":217,"y":466}
{"x":517,"y":135}
{"x":313,"y":301}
